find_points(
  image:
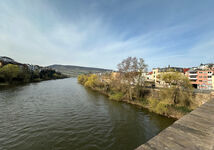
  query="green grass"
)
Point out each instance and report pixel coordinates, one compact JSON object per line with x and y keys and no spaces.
{"x":182,"y":109}
{"x":116,"y":96}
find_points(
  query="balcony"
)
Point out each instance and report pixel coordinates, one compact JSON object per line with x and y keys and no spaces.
{"x":192,"y":74}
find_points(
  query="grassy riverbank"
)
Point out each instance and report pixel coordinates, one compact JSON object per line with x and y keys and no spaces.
{"x":159,"y":101}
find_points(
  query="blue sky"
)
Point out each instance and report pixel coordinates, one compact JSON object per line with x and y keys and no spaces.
{"x":100,"y":33}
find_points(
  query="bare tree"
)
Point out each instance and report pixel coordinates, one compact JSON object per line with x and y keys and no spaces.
{"x":131,"y":70}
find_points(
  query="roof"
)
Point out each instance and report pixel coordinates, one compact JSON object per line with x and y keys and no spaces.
{"x":186,"y":69}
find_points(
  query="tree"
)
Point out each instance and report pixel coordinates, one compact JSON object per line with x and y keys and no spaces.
{"x":91,"y":81}
{"x":131,"y":70}
{"x":25,"y":75}
{"x":10,"y":71}
{"x":179,"y":87}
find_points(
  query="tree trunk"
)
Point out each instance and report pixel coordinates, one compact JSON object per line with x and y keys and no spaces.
{"x":130,"y":93}
{"x":175,"y":100}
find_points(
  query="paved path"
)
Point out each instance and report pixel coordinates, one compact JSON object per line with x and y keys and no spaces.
{"x":194,"y":131}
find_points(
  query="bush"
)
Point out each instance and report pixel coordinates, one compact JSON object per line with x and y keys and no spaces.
{"x":82,"y":79}
{"x":178,"y":89}
{"x":153,"y":102}
{"x":90,"y":81}
{"x":182,"y":109}
{"x":117,"y":96}
{"x":161,"y":108}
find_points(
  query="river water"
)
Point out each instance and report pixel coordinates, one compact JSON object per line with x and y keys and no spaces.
{"x":63,"y":115}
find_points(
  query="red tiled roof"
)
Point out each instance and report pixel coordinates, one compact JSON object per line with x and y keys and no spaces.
{"x":186,"y":69}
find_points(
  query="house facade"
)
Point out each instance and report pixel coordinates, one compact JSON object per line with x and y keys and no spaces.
{"x":157,"y":72}
{"x":213,"y":81}
{"x":201,"y":79}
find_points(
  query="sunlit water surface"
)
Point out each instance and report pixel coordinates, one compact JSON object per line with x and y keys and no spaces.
{"x":63,"y":115}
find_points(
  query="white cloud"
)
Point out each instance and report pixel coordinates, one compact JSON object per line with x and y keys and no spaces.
{"x":36,"y":33}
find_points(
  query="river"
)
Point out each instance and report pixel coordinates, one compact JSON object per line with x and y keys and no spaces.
{"x":64,"y":115}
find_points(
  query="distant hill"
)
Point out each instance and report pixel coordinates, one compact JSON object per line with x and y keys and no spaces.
{"x":74,"y":71}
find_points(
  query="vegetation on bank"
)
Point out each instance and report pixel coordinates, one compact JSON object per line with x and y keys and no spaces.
{"x":12,"y":73}
{"x":175,"y":99}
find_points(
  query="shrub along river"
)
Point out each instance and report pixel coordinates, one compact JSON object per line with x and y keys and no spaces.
{"x":63,"y":115}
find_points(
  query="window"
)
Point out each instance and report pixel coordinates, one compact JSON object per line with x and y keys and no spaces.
{"x":200,"y":76}
{"x":193,"y":76}
{"x":209,"y":76}
{"x":200,"y":80}
{"x":205,"y":76}
{"x":200,"y":72}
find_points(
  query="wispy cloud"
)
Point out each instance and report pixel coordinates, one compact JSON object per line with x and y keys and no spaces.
{"x":37,"y":32}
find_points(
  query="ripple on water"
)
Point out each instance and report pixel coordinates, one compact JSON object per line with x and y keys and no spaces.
{"x":62,"y":115}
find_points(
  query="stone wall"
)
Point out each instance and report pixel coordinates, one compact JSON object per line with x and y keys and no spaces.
{"x":199,"y":97}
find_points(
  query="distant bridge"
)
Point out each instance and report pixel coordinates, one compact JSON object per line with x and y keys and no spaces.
{"x":194,"y":131}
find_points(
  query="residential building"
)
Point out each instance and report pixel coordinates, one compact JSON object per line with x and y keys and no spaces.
{"x":206,"y":66}
{"x":201,"y":79}
{"x":213,"y":81}
{"x":186,"y":70}
{"x":149,"y":76}
{"x":156,"y":72}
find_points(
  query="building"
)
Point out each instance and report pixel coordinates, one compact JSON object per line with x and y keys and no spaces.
{"x":156,"y":73}
{"x":206,"y":66}
{"x":204,"y":79}
{"x":186,"y":70}
{"x":192,"y":75}
{"x":201,"y":78}
{"x":149,"y":76}
{"x":213,"y":81}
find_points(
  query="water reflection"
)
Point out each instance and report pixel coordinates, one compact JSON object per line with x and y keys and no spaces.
{"x":61,"y":114}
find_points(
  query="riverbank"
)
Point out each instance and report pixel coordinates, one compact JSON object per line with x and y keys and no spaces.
{"x":140,"y":104}
{"x":169,"y":102}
